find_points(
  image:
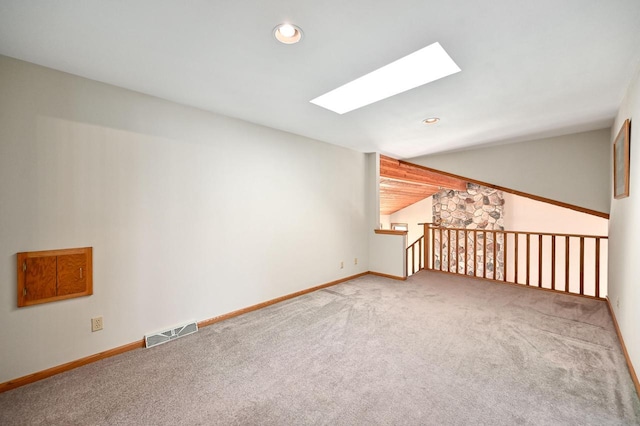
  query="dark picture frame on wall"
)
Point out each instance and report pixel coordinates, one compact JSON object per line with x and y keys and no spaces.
{"x":621,"y":162}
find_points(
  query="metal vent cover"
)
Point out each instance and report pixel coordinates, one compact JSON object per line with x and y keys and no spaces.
{"x":155,"y":339}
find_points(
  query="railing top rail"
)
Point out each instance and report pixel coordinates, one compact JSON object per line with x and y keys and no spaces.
{"x":520,"y":232}
{"x":416,"y":241}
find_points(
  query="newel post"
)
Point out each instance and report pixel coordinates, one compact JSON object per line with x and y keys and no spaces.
{"x":427,"y":243}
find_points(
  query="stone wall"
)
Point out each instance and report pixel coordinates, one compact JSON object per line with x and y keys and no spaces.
{"x":478,"y":208}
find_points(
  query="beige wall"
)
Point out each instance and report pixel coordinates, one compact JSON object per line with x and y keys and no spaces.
{"x":527,"y":215}
{"x":385,"y":221}
{"x":573,"y":169}
{"x":419,"y":212}
{"x":624,"y":233}
{"x":191,"y":215}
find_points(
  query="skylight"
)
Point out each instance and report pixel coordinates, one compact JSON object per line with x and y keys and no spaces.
{"x":420,"y":67}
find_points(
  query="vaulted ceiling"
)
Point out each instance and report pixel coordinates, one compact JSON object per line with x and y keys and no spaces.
{"x":529,"y":68}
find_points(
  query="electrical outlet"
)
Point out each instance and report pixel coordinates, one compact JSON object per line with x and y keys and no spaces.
{"x":96,"y":324}
{"x":341,"y":265}
{"x":617,"y":302}
{"x":355,"y":261}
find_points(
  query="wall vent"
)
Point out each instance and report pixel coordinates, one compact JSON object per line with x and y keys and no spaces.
{"x":173,"y":333}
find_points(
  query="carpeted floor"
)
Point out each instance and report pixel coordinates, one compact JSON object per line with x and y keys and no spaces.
{"x":434,"y":350}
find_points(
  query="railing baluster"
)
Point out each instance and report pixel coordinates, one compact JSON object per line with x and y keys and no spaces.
{"x":505,"y":237}
{"x":413,"y":259}
{"x":517,"y":237}
{"x":420,"y":266}
{"x":484,"y":256}
{"x":528,"y":259}
{"x":475,"y":252}
{"x":460,"y":248}
{"x":495,"y":261}
{"x":460,"y":253}
{"x":566,"y":264}
{"x":406,"y":262}
{"x":540,"y":260}
{"x":448,"y":250}
{"x":454,"y":253}
{"x":466,"y":238}
{"x":459,"y":269}
{"x":553,"y":262}
{"x":452,"y":258}
{"x":427,"y":239}
{"x":433,"y":251}
{"x":582,"y":265}
{"x":454,"y":250}
{"x":441,"y":243}
{"x":597,"y":267}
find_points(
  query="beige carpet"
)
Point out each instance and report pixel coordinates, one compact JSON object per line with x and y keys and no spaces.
{"x":434,"y":350}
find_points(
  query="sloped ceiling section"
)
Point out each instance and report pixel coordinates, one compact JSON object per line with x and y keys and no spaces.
{"x":403,"y":184}
{"x":530,"y":69}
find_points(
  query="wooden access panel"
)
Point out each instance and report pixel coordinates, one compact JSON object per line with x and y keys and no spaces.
{"x":40,"y":278}
{"x":47,"y":276}
{"x":72,"y":273}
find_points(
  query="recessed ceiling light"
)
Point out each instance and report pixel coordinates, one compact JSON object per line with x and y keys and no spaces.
{"x":431,"y":120}
{"x":287,"y":33}
{"x":420,"y":67}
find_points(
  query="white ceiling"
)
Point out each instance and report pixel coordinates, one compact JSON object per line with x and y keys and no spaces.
{"x":529,"y":68}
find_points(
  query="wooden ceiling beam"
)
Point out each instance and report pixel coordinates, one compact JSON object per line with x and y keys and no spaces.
{"x":402,"y":184}
{"x":406,"y":186}
{"x":399,"y":194}
{"x":395,"y":169}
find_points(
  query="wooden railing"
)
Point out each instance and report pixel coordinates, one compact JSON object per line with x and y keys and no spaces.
{"x":569,"y":263}
{"x":417,"y":263}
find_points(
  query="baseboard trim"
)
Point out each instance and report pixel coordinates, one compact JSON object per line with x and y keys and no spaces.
{"x":34,"y":377}
{"x":632,"y":371}
{"x":39,"y":375}
{"x":532,"y":287}
{"x":252,"y":308}
{"x":393,"y":277}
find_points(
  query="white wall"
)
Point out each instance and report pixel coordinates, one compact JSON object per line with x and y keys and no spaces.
{"x":624,"y":233}
{"x":372,"y":183}
{"x":190,"y":214}
{"x":419,"y":212}
{"x":387,"y":254}
{"x":573,"y":169}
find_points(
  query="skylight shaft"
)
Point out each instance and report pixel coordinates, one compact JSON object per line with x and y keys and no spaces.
{"x":416,"y":69}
